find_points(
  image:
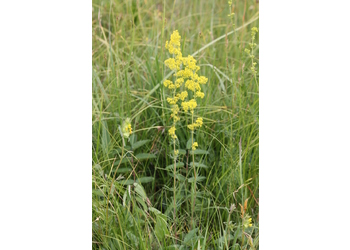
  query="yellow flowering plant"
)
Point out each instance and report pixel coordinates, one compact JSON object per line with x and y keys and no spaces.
{"x":126,"y":128}
{"x":185,"y":75}
{"x":252,"y":45}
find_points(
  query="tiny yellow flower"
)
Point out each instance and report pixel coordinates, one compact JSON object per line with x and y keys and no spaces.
{"x":191,"y":127}
{"x":247,"y":221}
{"x":190,"y":105}
{"x":172,"y":132}
{"x":199,"y":94}
{"x":255,"y":29}
{"x":183,"y":95}
{"x":172,"y":101}
{"x":199,"y":122}
{"x":202,"y":80}
{"x":167,"y":83}
{"x":170,"y":63}
{"x":194,"y":145}
{"x":179,"y":82}
{"x":173,"y":45}
{"x":126,"y":128}
{"x":174,"y":111}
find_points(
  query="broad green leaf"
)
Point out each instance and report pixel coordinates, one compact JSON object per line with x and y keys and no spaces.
{"x":120,"y":150}
{"x":105,"y":138}
{"x":139,"y":180}
{"x":132,"y":139}
{"x":180,"y":177}
{"x":182,"y":152}
{"x":198,"y":179}
{"x":95,"y":79}
{"x":133,"y":239}
{"x":155,"y":211}
{"x":198,"y":165}
{"x":140,"y":191}
{"x":99,"y":169}
{"x":174,"y":247}
{"x":97,"y":192}
{"x":178,"y":165}
{"x":144,"y":156}
{"x":124,"y":170}
{"x":143,"y":204}
{"x":127,"y":182}
{"x":124,"y":160}
{"x":189,"y":143}
{"x":161,"y":228}
{"x":124,"y":198}
{"x":191,"y":234}
{"x":138,"y":144}
{"x":199,"y":152}
{"x":145,"y":179}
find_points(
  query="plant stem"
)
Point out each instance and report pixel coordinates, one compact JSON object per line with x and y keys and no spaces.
{"x":174,"y":191}
{"x":110,"y":189}
{"x":241,"y":179}
{"x":174,"y":177}
{"x":195,"y":177}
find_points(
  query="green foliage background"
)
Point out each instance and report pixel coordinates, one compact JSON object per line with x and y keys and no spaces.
{"x":128,"y":39}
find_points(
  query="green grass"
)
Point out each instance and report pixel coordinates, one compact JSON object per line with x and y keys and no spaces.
{"x":128,"y":39}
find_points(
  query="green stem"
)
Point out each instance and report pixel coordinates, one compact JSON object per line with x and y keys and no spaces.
{"x":110,"y":189}
{"x":174,"y":175}
{"x":195,"y":178}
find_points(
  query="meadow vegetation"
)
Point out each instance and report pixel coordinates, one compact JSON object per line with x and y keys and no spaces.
{"x":175,"y":124}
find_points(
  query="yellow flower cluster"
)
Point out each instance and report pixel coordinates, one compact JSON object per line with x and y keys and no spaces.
{"x":185,"y":72}
{"x":180,"y":96}
{"x":174,"y":48}
{"x":247,"y":221}
{"x":190,"y":63}
{"x":126,"y":128}
{"x":198,"y":123}
{"x":194,"y":81}
{"x":174,"y":111}
{"x":194,"y":145}
{"x":171,"y":85}
{"x":199,"y":94}
{"x":190,"y":105}
{"x":185,"y":67}
{"x":254,"y":30}
{"x":250,"y":222}
{"x":172,"y":132}
{"x":174,"y":45}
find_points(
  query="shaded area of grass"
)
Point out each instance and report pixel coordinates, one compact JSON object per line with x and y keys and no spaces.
{"x":128,"y":52}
